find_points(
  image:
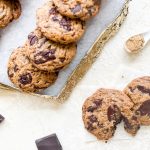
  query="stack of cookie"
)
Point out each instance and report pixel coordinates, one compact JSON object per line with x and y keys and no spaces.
{"x":9,"y":10}
{"x":52,"y":45}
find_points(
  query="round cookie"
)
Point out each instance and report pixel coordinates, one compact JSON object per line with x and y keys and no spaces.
{"x":57,"y":27}
{"x":9,"y":10}
{"x":25,"y":76}
{"x":48,"y":55}
{"x":139,"y":92}
{"x":104,"y":110}
{"x":83,"y":9}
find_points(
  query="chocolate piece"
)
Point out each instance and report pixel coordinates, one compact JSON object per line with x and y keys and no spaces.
{"x":143,"y":89}
{"x":114,"y":114}
{"x":50,"y":142}
{"x":144,"y":109}
{"x":32,"y":39}
{"x":25,"y":79}
{"x":76,"y":9}
{"x":1,"y":118}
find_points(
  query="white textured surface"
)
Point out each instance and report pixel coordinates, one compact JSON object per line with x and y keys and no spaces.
{"x":29,"y":118}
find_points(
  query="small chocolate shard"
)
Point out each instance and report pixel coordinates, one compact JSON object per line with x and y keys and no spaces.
{"x":65,"y":23}
{"x":92,"y":118}
{"x":114,"y":114}
{"x":32,"y":39}
{"x":25,"y":79}
{"x":1,"y":118}
{"x":143,"y":89}
{"x":76,"y":9}
{"x":50,"y":142}
{"x":144,"y":109}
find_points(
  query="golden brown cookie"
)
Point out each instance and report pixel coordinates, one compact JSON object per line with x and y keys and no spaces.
{"x":83,"y":9}
{"x":57,"y":27}
{"x":48,"y":55}
{"x":25,"y":76}
{"x":139,"y":92}
{"x":104,"y":110}
{"x":9,"y":10}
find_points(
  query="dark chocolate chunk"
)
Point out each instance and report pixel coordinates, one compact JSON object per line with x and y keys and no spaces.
{"x":131,"y":125}
{"x":32,"y":39}
{"x":50,"y":142}
{"x":143,"y":89}
{"x":65,"y":23}
{"x":62,"y":59}
{"x":114,"y":114}
{"x":98,"y":102}
{"x":1,"y":118}
{"x":76,"y":9}
{"x":144,"y":109}
{"x":92,"y":108}
{"x":45,"y":56}
{"x":53,"y":11}
{"x":25,"y":79}
{"x":92,"y":118}
{"x":90,"y":126}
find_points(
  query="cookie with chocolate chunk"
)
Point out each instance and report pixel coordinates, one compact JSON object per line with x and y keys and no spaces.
{"x":9,"y":10}
{"x":25,"y":76}
{"x":57,"y":27}
{"x":82,"y":9}
{"x":48,"y":55}
{"x":104,"y":110}
{"x":139,"y":92}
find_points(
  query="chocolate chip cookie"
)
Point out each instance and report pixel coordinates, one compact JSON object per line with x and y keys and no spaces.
{"x":104,"y":110}
{"x":139,"y":92}
{"x":48,"y":55}
{"x":57,"y":27}
{"x":25,"y":76}
{"x":83,"y":9}
{"x":9,"y":10}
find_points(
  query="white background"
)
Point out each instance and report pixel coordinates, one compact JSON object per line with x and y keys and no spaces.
{"x":29,"y":118}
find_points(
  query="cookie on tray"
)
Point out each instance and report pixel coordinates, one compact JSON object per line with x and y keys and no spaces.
{"x":48,"y":55}
{"x":57,"y":27}
{"x":104,"y":110}
{"x":25,"y":76}
{"x":9,"y":10}
{"x":82,"y":9}
{"x":139,"y":92}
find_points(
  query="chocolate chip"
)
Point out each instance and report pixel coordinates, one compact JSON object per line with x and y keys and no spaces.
{"x":143,"y":89}
{"x":90,"y":126}
{"x":92,"y":108}
{"x":32,"y":39}
{"x":16,"y":68}
{"x":44,"y":56}
{"x":92,"y":118}
{"x":53,"y":11}
{"x":50,"y":142}
{"x":144,"y":109}
{"x":114,"y":114}
{"x":65,"y":23}
{"x":25,"y":79}
{"x":1,"y":118}
{"x":54,"y":18}
{"x":131,"y":127}
{"x":76,"y":9}
{"x":62,"y":59}
{"x":98,"y":102}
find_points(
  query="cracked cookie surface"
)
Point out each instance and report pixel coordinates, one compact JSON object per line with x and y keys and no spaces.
{"x":25,"y":76}
{"x":9,"y":10}
{"x":104,"y":110}
{"x":83,"y":9}
{"x":48,"y":55}
{"x":57,"y":27}
{"x":139,"y":92}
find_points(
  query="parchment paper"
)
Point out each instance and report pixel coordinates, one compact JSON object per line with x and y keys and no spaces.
{"x":16,"y":34}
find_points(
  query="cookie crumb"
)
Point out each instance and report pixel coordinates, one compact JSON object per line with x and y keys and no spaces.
{"x":135,"y":44}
